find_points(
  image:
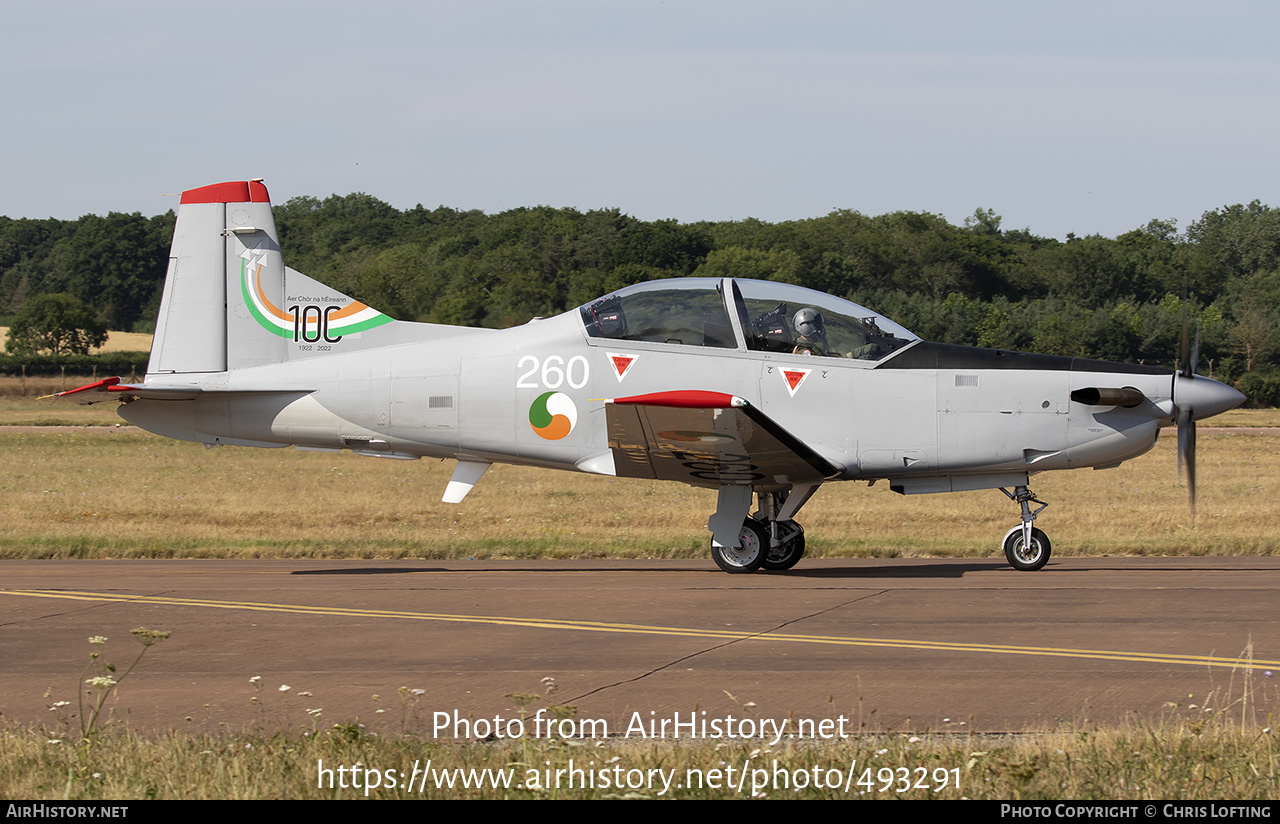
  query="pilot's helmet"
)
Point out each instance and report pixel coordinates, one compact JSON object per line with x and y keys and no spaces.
{"x":810,"y":324}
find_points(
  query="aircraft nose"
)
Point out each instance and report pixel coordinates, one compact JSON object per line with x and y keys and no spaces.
{"x":1204,"y":397}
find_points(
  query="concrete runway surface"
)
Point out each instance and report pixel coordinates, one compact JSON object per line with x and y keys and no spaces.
{"x":962,"y":645}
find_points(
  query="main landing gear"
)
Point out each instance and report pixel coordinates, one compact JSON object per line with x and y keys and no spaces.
{"x":769,"y":539}
{"x":1026,"y":547}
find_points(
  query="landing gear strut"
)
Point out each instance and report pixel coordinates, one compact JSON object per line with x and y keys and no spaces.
{"x":1026,"y":547}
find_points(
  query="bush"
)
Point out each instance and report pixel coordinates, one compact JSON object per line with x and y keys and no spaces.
{"x":113,"y":363}
{"x":1262,"y":389}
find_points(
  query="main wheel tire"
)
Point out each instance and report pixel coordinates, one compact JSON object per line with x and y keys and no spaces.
{"x":789,"y":553}
{"x":748,"y":556}
{"x":1026,"y":558}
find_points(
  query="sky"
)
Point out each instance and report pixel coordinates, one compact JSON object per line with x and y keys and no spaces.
{"x":1079,"y":117}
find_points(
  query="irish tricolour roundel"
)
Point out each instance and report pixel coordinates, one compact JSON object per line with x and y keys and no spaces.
{"x":553,"y":415}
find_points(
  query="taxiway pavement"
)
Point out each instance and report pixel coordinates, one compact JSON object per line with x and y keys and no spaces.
{"x":961,"y":645}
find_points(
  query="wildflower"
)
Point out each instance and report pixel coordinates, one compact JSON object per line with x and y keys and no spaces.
{"x":102,"y":682}
{"x":255,"y":679}
{"x":98,"y":640}
{"x":285,"y":688}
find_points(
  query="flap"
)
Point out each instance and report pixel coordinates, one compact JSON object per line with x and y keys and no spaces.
{"x":707,"y":439}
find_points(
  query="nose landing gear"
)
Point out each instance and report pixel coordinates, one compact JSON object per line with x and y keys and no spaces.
{"x":1026,"y":548}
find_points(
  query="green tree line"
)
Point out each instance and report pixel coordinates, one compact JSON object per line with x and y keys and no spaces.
{"x":977,"y":283}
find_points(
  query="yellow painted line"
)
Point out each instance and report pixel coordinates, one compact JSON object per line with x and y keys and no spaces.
{"x":642,"y":629}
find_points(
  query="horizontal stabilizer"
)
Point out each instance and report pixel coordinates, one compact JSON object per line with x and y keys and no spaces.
{"x":111,"y":389}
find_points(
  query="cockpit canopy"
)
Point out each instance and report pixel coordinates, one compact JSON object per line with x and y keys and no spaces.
{"x":771,"y":317}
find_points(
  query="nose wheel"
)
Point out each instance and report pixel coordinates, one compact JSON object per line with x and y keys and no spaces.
{"x":1026,"y":556}
{"x":1026,"y":548}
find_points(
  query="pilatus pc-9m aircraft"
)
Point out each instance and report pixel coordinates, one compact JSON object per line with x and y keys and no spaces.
{"x":761,"y":391}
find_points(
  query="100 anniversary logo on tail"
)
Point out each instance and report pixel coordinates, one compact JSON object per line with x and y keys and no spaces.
{"x":306,"y":320}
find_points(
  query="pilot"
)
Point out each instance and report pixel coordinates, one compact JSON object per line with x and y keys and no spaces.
{"x":811,"y":332}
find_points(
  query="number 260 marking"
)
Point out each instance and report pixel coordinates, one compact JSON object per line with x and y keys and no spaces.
{"x":553,"y":372}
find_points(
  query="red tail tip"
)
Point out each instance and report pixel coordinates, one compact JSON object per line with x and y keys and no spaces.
{"x":238,"y":191}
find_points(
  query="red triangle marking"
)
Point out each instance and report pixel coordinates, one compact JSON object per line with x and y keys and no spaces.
{"x":621,"y":363}
{"x":793,"y":378}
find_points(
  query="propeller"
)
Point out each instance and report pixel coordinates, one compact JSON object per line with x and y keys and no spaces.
{"x":1187,"y":454}
{"x":1193,"y":398}
{"x":1184,"y":404}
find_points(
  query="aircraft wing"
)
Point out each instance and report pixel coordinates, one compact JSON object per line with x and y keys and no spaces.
{"x":707,"y":439}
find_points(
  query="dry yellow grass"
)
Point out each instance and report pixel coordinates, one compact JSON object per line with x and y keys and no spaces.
{"x":100,"y":494}
{"x":116,"y":342}
{"x":1244,"y":417}
{"x":1191,"y":756}
{"x":23,"y":403}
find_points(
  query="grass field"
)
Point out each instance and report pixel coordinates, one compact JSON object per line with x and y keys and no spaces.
{"x":106,"y":493}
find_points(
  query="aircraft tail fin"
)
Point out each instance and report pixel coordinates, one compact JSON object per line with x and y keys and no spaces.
{"x":230,"y":303}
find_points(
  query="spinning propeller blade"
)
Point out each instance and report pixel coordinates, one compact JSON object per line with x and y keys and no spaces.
{"x":1186,"y":422}
{"x":1187,"y":454}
